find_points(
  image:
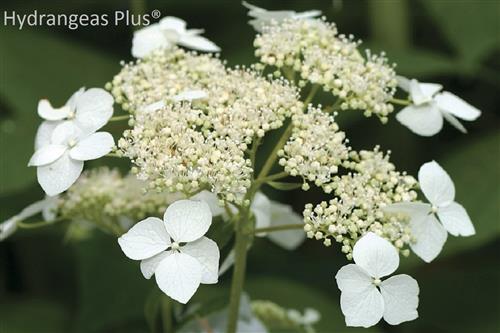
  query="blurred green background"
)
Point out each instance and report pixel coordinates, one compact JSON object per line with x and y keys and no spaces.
{"x":49,"y":285}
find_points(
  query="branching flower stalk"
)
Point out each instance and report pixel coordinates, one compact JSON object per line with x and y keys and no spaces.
{"x":194,"y":131}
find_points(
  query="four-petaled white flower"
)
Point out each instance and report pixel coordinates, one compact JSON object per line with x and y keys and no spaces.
{"x":425,"y":116}
{"x":169,"y":31}
{"x":262,"y":17}
{"x":365,"y":298}
{"x":431,"y":235}
{"x":60,"y":162}
{"x":175,"y":250}
{"x":44,"y":206}
{"x":66,"y":138}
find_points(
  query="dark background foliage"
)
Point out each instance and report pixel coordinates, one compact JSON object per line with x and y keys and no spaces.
{"x":51,"y":285}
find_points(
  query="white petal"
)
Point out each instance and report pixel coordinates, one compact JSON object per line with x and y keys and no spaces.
{"x":8,"y":227}
{"x":261,"y":208}
{"x":148,"y":266}
{"x":430,"y":237}
{"x":66,"y":132}
{"x":173,"y":23}
{"x":430,"y":89}
{"x":425,"y":120}
{"x":412,"y":209}
{"x":454,"y":122}
{"x":375,"y":255}
{"x":190,"y":95}
{"x":362,"y":309}
{"x":400,"y":295}
{"x":283,"y":214}
{"x":57,"y":177}
{"x":187,"y":220}
{"x":179,"y":276}
{"x":47,"y":112}
{"x":71,"y":102}
{"x":352,"y":278}
{"x":46,"y":155}
{"x":198,"y":43}
{"x":145,"y":239}
{"x":94,"y":146}
{"x":307,"y":14}
{"x":207,"y":253}
{"x":93,"y":109}
{"x":147,"y":40}
{"x":457,"y":106}
{"x":44,"y":133}
{"x":153,"y":106}
{"x":417,"y":94}
{"x":403,"y":83}
{"x":455,"y":219}
{"x":211,"y":199}
{"x":436,"y":184}
{"x":33,"y":209}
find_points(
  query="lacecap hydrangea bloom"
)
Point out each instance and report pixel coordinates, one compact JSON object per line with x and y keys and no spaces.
{"x":193,"y":130}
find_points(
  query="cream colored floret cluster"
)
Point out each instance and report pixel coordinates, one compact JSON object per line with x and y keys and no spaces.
{"x":163,"y":74}
{"x":315,"y":50}
{"x":174,"y":149}
{"x":103,"y":197}
{"x":359,"y":197}
{"x":316,"y":148}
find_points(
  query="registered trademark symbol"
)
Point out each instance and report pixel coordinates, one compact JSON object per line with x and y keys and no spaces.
{"x":155,"y":13}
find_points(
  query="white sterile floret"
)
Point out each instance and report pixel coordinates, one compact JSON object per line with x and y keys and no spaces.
{"x":166,"y":33}
{"x":365,"y":298}
{"x":7,"y":228}
{"x":269,"y":213}
{"x":190,"y":95}
{"x":430,"y":235}
{"x":59,"y":162}
{"x":262,"y":17}
{"x":175,"y":250}
{"x":315,"y":149}
{"x":88,"y":109}
{"x":429,"y":107}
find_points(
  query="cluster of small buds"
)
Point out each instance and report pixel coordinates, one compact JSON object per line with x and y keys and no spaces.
{"x":316,"y":148}
{"x":173,"y":149}
{"x":104,"y":198}
{"x":277,"y":318}
{"x":315,"y":50}
{"x":163,"y":74}
{"x":357,"y":207}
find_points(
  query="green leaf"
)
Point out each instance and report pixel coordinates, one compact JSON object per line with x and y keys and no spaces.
{"x":112,"y":289}
{"x":282,"y":186}
{"x":471,"y":26}
{"x":37,"y":65}
{"x":32,"y":316}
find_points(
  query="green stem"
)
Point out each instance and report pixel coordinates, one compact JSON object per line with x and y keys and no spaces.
{"x":275,"y":176}
{"x":279,"y":228}
{"x":119,"y":118}
{"x":166,"y":314}
{"x":274,"y":154}
{"x":36,"y":225}
{"x":243,"y":237}
{"x":114,"y":155}
{"x":312,"y":93}
{"x":404,"y":102}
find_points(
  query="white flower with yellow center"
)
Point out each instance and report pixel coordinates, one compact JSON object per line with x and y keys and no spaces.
{"x":429,"y":107}
{"x":429,"y":233}
{"x":175,"y":250}
{"x":169,"y":31}
{"x":365,"y":298}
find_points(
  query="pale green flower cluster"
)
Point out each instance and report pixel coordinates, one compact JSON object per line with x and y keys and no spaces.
{"x":278,"y":318}
{"x":105,"y":198}
{"x":359,"y":199}
{"x":315,"y":50}
{"x":315,"y":149}
{"x":163,"y":74}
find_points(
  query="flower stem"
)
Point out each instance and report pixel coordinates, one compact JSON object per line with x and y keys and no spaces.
{"x":243,"y":237}
{"x":118,"y":118}
{"x":275,"y":176}
{"x":166,"y":314}
{"x":400,"y":101}
{"x":279,"y":228}
{"x":36,"y":225}
{"x":274,"y":154}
